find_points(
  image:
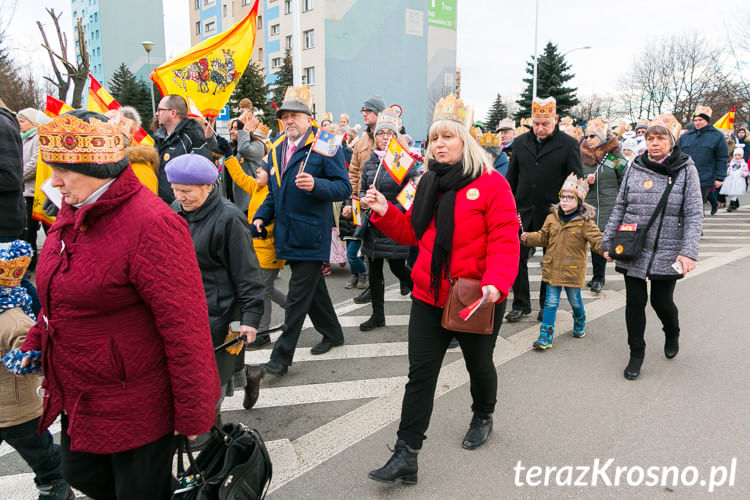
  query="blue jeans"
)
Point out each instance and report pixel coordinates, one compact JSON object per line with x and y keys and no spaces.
{"x":552,"y":302}
{"x":356,"y":266}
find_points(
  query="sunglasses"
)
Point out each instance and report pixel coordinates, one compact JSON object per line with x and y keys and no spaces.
{"x":591,"y":136}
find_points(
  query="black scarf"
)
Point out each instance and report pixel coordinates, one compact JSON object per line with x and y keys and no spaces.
{"x":565,"y":218}
{"x":436,"y":197}
{"x":669,"y":166}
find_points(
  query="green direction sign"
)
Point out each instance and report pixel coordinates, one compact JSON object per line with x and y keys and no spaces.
{"x":442,"y":13}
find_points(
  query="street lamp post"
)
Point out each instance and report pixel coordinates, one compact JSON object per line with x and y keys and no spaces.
{"x":536,"y":56}
{"x":586,"y":47}
{"x":148,"y":46}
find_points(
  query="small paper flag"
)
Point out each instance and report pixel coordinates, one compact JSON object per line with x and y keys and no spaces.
{"x":406,"y":196}
{"x":356,"y":211}
{"x":467,"y":311}
{"x":327,"y":143}
{"x":614,"y":162}
{"x":397,"y":161}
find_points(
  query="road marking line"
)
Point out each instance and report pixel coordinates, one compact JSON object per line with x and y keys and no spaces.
{"x":336,"y":436}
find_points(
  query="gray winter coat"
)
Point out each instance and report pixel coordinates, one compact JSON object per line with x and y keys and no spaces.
{"x":249,"y":155}
{"x":676,"y":232}
{"x":30,"y":155}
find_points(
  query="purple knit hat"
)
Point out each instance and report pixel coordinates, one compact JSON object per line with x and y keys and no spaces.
{"x":191,"y":169}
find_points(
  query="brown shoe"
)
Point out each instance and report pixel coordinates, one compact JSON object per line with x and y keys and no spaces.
{"x":254,"y":376}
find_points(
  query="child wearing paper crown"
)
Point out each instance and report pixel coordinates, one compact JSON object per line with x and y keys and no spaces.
{"x":566,"y":233}
{"x":734,"y":183}
{"x":20,"y":405}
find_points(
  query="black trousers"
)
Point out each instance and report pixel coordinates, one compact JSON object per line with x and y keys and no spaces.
{"x":38,"y":450}
{"x":521,"y":293}
{"x":377,"y":280}
{"x":428,"y":341}
{"x":599,"y":265}
{"x":662,"y":300}
{"x":143,"y":473}
{"x":307,"y":294}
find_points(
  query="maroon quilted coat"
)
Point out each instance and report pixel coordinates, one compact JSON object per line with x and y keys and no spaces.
{"x":126,"y":347}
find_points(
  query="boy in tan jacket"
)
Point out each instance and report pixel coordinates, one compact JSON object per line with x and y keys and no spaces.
{"x":20,"y":405}
{"x":566,"y":233}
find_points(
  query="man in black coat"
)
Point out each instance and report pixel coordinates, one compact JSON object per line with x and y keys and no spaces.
{"x":12,"y":205}
{"x":178,"y":135}
{"x":542,"y":159}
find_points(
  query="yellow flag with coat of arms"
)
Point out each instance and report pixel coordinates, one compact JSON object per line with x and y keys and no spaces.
{"x":209,"y":71}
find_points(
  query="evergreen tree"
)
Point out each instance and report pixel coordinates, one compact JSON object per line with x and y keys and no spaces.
{"x":253,"y":86}
{"x":552,"y":76}
{"x":284,"y":79}
{"x":497,"y":112}
{"x":129,"y":90}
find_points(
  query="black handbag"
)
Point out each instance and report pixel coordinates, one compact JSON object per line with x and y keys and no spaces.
{"x":234,"y":466}
{"x":628,"y":244}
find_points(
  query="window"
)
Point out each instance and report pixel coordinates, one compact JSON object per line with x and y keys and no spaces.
{"x":197,"y":4}
{"x":308,"y":76}
{"x":275,"y":29}
{"x":276,"y":62}
{"x":260,"y":22}
{"x":309,"y":39}
{"x":97,"y":34}
{"x":307,"y":5}
{"x":260,"y":54}
{"x":225,"y":10}
{"x":246,"y":2}
{"x":288,"y":40}
{"x":96,"y":17}
{"x":208,"y":3}
{"x":197,"y":27}
{"x":209,"y":27}
{"x":287,"y":6}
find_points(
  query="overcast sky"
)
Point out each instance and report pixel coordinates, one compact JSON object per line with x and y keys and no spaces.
{"x":495,"y":38}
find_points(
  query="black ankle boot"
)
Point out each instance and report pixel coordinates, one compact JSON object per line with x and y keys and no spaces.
{"x":479,"y":432}
{"x":402,"y":465}
{"x":671,"y":345}
{"x":634,"y":367}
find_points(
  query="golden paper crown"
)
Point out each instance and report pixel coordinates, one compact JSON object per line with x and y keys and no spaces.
{"x":579,"y":187}
{"x":489,"y":140}
{"x":669,"y":122}
{"x":12,"y":271}
{"x":345,"y":116}
{"x":567,"y":120}
{"x":389,"y":116}
{"x":68,"y":139}
{"x":526,"y":122}
{"x":300,"y":95}
{"x":519,"y":131}
{"x":450,"y":108}
{"x":262,"y":132}
{"x":126,"y":125}
{"x":328,"y":116}
{"x":703,"y":110}
{"x":597,"y":126}
{"x":573,"y":131}
{"x":543,"y":108}
{"x":620,"y":127}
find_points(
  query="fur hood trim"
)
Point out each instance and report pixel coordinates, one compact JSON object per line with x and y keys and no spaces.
{"x":589,"y":212}
{"x":143,"y":153}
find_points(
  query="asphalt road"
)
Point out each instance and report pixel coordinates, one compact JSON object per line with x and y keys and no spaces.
{"x":330,"y":419}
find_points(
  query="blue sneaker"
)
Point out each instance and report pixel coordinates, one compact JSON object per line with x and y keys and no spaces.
{"x":579,"y":326}
{"x":545,"y":337}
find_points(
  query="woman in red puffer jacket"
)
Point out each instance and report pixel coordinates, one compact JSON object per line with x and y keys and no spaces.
{"x":464,"y":222}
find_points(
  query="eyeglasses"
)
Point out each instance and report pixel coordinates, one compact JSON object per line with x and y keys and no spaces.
{"x":383,"y":133}
{"x":567,"y":197}
{"x":365,"y":110}
{"x":159,"y":110}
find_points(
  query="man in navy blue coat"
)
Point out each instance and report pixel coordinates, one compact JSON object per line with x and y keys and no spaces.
{"x":709,"y":150}
{"x":302,"y":186}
